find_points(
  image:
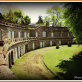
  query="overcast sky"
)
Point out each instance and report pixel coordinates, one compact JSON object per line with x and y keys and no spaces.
{"x":32,"y":9}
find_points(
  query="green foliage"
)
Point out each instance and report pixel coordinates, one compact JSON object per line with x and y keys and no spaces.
{"x":73,"y":16}
{"x":9,"y":16}
{"x":47,"y":19}
{"x":16,"y":16}
{"x":22,"y":20}
{"x":1,"y":17}
{"x":40,"y":20}
{"x":56,"y":14}
{"x":27,"y":20}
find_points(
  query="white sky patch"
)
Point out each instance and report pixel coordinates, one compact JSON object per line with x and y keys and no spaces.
{"x":33,"y":10}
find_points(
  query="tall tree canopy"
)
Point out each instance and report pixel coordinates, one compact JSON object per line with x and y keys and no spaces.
{"x":9,"y":16}
{"x":73,"y":16}
{"x":55,"y":14}
{"x":40,"y":20}
{"x":27,"y":20}
{"x":1,"y":17}
{"x":16,"y":16}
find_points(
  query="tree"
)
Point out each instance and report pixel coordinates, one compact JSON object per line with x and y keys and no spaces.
{"x":9,"y":16}
{"x":56,"y":14}
{"x":1,"y":17}
{"x":40,"y":20}
{"x":73,"y":16}
{"x":18,"y":14}
{"x":27,"y":20}
{"x":22,"y":20}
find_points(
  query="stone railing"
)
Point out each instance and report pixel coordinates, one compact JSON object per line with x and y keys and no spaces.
{"x":34,"y":38}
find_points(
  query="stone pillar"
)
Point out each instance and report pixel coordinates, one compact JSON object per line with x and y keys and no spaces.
{"x":59,"y":42}
{"x":50,"y":43}
{"x":40,"y":44}
{"x":24,"y":48}
{"x":20,"y":51}
{"x":33,"y":45}
{"x":16,"y":53}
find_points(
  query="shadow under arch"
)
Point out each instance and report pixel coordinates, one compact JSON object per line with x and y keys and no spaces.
{"x":11,"y":59}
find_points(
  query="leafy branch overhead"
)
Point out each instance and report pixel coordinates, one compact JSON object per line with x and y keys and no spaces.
{"x":73,"y":16}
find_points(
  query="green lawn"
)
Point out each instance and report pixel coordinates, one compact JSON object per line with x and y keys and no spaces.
{"x":61,"y":63}
{"x":58,"y":61}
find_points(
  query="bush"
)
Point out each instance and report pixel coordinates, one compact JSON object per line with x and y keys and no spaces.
{"x":57,"y":46}
{"x":69,"y":44}
{"x":78,"y":55}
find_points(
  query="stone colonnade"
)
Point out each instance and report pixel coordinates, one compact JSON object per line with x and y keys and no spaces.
{"x":17,"y":50}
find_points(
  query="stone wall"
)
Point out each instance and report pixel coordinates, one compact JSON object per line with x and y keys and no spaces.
{"x":15,"y":46}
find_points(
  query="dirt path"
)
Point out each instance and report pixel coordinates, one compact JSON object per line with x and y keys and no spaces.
{"x":6,"y":73}
{"x":33,"y":67}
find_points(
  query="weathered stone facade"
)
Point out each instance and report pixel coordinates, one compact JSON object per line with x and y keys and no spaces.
{"x":19,"y":39}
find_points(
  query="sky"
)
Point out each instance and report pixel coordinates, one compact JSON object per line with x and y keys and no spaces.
{"x":32,"y":9}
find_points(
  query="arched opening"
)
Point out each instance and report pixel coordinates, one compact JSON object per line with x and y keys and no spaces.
{"x":26,"y":48}
{"x":20,"y":51}
{"x":0,"y":35}
{"x":9,"y":60}
{"x":43,"y":44}
{"x":33,"y":45}
{"x":43,"y":34}
{"x":36,"y":35}
{"x":12,"y":59}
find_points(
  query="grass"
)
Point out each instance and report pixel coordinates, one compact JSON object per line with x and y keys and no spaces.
{"x":61,"y":63}
{"x":31,"y":67}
